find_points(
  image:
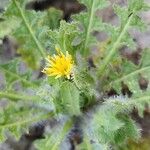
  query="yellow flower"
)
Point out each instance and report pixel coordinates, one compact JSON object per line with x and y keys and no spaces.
{"x":59,"y":65}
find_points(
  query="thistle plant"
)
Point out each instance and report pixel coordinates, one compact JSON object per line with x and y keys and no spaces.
{"x":72,"y":89}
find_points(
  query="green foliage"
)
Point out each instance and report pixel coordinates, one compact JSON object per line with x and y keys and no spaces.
{"x":16,"y":119}
{"x":118,"y":126}
{"x":8,"y":26}
{"x":55,"y":137}
{"x":86,"y":145}
{"x":29,"y":28}
{"x":13,"y":74}
{"x":86,"y":84}
{"x":52,"y":18}
{"x":65,"y":37}
{"x":105,"y":121}
{"x":130,"y":74}
{"x":90,"y":23}
{"x":27,"y":41}
{"x":119,"y":36}
{"x":69,"y":98}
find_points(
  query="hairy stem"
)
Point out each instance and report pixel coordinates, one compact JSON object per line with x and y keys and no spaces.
{"x":29,"y":120}
{"x":115,"y":46}
{"x":89,"y":28}
{"x":37,"y":43}
{"x":131,"y":74}
{"x":63,"y":133}
{"x":17,"y":77}
{"x":16,"y":97}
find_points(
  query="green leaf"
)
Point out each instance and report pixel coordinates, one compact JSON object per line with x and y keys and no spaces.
{"x":84,"y":80}
{"x":130,"y":74}
{"x":119,"y":36}
{"x":65,"y":36}
{"x":112,"y":124}
{"x":106,"y":124}
{"x":136,"y":4}
{"x":53,"y":18}
{"x":13,"y":75}
{"x":8,"y":26}
{"x":54,"y":139}
{"x":31,"y":33}
{"x":19,"y":11}
{"x":128,"y":131}
{"x":13,"y":118}
{"x":70,"y":99}
{"x":90,"y":23}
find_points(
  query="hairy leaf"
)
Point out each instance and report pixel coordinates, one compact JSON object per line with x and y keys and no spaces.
{"x":90,"y":23}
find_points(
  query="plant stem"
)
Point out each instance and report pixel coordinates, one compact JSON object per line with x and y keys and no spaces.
{"x":89,"y":28}
{"x":64,"y":43}
{"x":18,"y":77}
{"x":115,"y":46}
{"x":131,"y":74}
{"x":61,"y":136}
{"x":16,"y":97}
{"x":21,"y":122}
{"x":39,"y":46}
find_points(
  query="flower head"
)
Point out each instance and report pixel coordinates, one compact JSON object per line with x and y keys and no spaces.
{"x":59,"y":65}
